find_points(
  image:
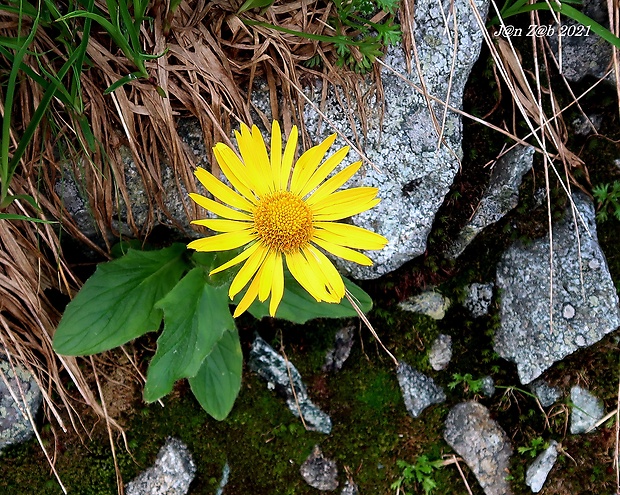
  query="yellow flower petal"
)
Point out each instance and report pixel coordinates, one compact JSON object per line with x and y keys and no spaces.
{"x":331,"y":277}
{"x":324,"y":170}
{"x":237,"y":259}
{"x":329,"y":186}
{"x":248,"y":298}
{"x":235,"y":171}
{"x":261,"y":156}
{"x":221,"y":225}
{"x":222,"y":191}
{"x":222,"y":242}
{"x":343,"y":252}
{"x":247,"y":271}
{"x":276,"y":154}
{"x":308,"y":163}
{"x":266,"y":277}
{"x":349,"y":235}
{"x":218,"y":208}
{"x":345,"y":203}
{"x":277,"y":285}
{"x":299,"y":268}
{"x":287,"y":158}
{"x":251,"y":159}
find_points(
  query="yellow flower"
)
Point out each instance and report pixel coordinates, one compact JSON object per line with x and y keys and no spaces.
{"x":283,"y":211}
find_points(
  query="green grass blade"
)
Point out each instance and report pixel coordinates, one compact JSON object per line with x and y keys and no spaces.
{"x":6,"y":171}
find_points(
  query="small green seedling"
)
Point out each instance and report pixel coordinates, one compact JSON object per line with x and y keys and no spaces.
{"x":420,"y":473}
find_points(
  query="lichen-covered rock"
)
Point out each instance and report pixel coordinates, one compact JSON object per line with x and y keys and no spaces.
{"x":546,"y":394}
{"x":336,"y":356}
{"x":172,"y":473}
{"x":429,"y":303}
{"x":537,"y":472}
{"x":482,"y":444}
{"x":274,"y":369}
{"x":584,"y":53}
{"x":441,"y":352}
{"x":478,"y":299}
{"x":501,"y":196}
{"x":582,"y":312}
{"x":15,"y":426}
{"x":586,"y":410}
{"x":415,"y":166}
{"x":319,"y":472}
{"x":419,"y":391}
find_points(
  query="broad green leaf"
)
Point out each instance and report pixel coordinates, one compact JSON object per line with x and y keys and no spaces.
{"x":196,"y":315}
{"x":218,"y":381}
{"x":298,"y":306}
{"x":117,"y":303}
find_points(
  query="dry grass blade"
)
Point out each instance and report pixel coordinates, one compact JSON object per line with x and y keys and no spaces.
{"x":362,"y":316}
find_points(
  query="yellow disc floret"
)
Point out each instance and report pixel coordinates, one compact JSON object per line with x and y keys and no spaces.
{"x":283,"y":221}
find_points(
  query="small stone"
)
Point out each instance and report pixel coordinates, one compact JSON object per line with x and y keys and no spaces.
{"x":350,"y":488}
{"x":15,"y":427}
{"x":428,"y":303}
{"x":224,"y":480}
{"x":336,"y":357}
{"x":586,"y":410}
{"x":172,"y":473}
{"x":478,"y":299}
{"x":546,"y":394}
{"x":441,"y":352}
{"x":537,"y":473}
{"x":482,"y":444}
{"x":319,"y":472}
{"x":580,"y":341}
{"x":488,"y":386}
{"x":279,"y":375}
{"x":594,"y":264}
{"x":419,"y":391}
{"x":568,"y":312}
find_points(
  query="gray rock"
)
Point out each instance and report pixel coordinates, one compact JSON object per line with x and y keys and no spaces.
{"x":429,"y":303}
{"x":546,"y":394}
{"x":319,"y":472}
{"x":224,"y":480}
{"x":582,"y":54}
{"x":350,"y":488}
{"x":419,"y":391}
{"x":413,"y":173}
{"x":488,"y":386}
{"x":482,"y":444}
{"x":582,"y":314}
{"x":441,"y":352}
{"x":173,"y":214}
{"x":478,"y":299}
{"x":587,"y":410}
{"x":584,"y":126}
{"x":172,"y":473}
{"x":15,"y":427}
{"x":336,"y":357}
{"x":501,"y":196}
{"x":537,"y":473}
{"x":273,"y":368}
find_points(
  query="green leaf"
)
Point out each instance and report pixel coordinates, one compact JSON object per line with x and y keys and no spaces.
{"x":299,"y":306}
{"x":117,"y":303}
{"x":14,"y":216}
{"x":218,"y":381}
{"x":251,"y":4}
{"x":196,"y":315}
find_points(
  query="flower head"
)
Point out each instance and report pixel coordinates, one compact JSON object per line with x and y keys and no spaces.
{"x":284,"y":212}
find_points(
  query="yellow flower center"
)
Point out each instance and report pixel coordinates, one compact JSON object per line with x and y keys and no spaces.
{"x":283,"y":221}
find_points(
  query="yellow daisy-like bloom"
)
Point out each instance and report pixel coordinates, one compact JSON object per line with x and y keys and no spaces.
{"x":283,"y":211}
